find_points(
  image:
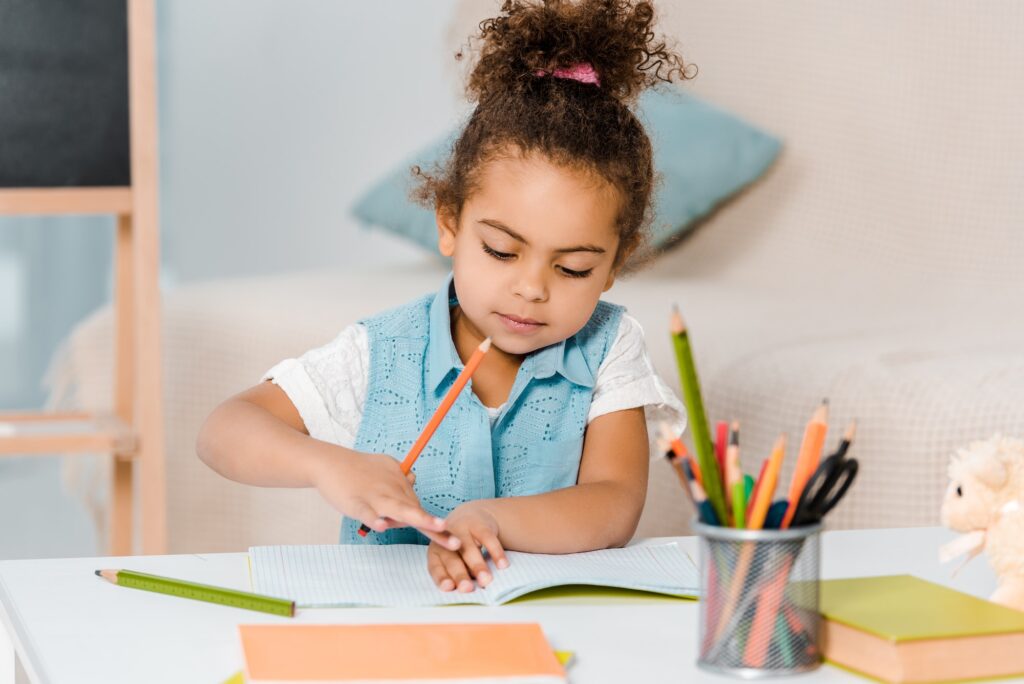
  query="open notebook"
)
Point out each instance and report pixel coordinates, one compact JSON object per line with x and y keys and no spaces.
{"x":396,"y":575}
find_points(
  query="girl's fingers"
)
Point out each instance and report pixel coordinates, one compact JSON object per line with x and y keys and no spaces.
{"x":444,"y":539}
{"x":475,"y":562}
{"x":411,"y":477}
{"x":365,"y":513}
{"x":438,"y":571}
{"x":457,"y":571}
{"x":495,"y":550}
{"x":412,"y":515}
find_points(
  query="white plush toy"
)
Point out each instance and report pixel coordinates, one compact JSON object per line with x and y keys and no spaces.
{"x":985,"y":500}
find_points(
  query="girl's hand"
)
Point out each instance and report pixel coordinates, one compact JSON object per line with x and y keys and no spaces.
{"x":372,"y":489}
{"x":474,"y":526}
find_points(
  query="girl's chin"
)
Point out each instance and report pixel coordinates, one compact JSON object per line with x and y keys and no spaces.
{"x":514,"y":344}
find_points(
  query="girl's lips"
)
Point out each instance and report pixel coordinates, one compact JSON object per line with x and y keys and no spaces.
{"x":520,"y":325}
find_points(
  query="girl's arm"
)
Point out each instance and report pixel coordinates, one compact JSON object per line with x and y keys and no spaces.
{"x":258,"y":437}
{"x":604,"y":507}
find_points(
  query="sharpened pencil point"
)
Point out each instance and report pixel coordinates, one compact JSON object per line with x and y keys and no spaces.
{"x":676,"y":325}
{"x":98,"y":573}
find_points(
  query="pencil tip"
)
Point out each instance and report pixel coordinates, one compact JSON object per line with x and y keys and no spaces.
{"x":676,"y":325}
{"x":485,"y":345}
{"x":98,"y":573}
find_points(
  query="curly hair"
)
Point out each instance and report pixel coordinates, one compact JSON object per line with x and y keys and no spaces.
{"x":521,"y":109}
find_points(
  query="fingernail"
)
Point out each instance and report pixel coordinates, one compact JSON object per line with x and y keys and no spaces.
{"x":503,"y":563}
{"x":465,"y":586}
{"x":484,"y":578}
{"x":447,"y":585}
{"x":454,"y":543}
{"x":439,"y":522}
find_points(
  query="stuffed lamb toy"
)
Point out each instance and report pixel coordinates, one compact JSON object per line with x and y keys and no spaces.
{"x":985,"y":500}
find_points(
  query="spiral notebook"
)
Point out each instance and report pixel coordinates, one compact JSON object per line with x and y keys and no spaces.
{"x":328,"y":576}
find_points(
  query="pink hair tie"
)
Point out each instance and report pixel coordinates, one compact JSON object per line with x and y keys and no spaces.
{"x":582,"y":72}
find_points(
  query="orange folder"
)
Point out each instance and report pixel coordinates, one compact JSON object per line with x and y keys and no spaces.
{"x":398,"y":652}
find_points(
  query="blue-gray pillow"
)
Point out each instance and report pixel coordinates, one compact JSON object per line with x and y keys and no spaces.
{"x":704,"y":156}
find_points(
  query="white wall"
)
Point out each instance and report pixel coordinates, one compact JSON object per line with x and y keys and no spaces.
{"x":276,"y":115}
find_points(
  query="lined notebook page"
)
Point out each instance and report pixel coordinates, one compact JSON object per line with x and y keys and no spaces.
{"x":396,"y":574}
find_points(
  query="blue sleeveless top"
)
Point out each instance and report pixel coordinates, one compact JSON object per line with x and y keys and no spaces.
{"x":536,"y":442}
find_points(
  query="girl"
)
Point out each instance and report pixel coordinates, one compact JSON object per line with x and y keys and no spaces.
{"x":544,"y":198}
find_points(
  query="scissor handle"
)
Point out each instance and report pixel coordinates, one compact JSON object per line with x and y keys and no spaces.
{"x":826,"y":487}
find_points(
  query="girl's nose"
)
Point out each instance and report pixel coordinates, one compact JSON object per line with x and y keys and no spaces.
{"x":531,"y":285}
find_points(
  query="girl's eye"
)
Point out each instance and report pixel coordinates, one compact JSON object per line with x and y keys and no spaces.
{"x":500,"y":256}
{"x":959,"y":490}
{"x":576,"y":274}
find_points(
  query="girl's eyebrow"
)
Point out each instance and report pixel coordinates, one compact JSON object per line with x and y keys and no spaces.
{"x":516,"y":236}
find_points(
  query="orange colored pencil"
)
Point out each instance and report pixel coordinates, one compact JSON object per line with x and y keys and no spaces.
{"x":766,"y":490}
{"x":757,"y":485}
{"x":807,"y":461}
{"x":680,"y":450}
{"x":441,"y":412}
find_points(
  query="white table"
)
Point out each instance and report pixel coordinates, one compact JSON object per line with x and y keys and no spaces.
{"x":64,"y":624}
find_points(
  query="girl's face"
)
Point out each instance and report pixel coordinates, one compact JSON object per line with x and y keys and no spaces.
{"x":532,"y":251}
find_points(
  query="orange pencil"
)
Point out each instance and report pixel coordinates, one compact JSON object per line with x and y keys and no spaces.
{"x":755,"y":521}
{"x":766,"y":489}
{"x":441,"y":412}
{"x":757,"y":485}
{"x":807,"y":461}
{"x":679,"y":449}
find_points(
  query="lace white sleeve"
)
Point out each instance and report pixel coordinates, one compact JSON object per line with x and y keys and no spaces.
{"x":328,"y":385}
{"x":626,"y":379}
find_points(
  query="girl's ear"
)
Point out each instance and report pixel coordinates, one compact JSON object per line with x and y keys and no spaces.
{"x":447,"y":224}
{"x":614,"y":273}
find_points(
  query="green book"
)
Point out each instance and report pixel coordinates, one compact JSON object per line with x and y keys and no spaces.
{"x":905,"y":629}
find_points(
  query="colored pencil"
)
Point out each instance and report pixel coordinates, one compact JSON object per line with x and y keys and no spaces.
{"x":441,"y":412}
{"x":199,"y":592}
{"x":676,"y":464}
{"x":704,"y":508}
{"x":698,"y":421}
{"x":721,"y":443}
{"x":807,"y":461}
{"x":844,"y":444}
{"x":734,"y":476}
{"x":679,"y":449}
{"x":766,"y":490}
{"x":757,"y":485}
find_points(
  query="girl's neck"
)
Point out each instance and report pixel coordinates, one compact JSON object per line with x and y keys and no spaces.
{"x":493,"y":380}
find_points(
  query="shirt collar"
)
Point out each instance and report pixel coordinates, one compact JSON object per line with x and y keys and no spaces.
{"x":565,"y":358}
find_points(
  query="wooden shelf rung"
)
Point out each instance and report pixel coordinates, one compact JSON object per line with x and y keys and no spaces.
{"x":50,"y":201}
{"x":56,"y":433}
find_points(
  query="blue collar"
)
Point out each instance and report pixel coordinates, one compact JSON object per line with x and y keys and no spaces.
{"x":565,"y":358}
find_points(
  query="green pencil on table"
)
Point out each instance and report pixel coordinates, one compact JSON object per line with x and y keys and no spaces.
{"x":697,"y":420}
{"x":199,"y":592}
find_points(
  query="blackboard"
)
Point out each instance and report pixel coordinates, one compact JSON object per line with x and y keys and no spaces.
{"x":64,"y":93}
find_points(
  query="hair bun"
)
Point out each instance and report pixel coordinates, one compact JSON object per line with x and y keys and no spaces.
{"x":614,"y":37}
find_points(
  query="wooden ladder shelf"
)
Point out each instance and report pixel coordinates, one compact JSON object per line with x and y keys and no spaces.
{"x":133,"y":430}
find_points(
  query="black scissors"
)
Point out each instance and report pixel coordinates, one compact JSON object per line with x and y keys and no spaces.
{"x":826,"y":487}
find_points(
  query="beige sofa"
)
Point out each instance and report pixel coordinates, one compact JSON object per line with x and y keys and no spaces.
{"x":876,"y":264}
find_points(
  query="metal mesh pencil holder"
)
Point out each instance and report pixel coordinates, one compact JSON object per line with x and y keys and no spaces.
{"x":759,"y":600}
